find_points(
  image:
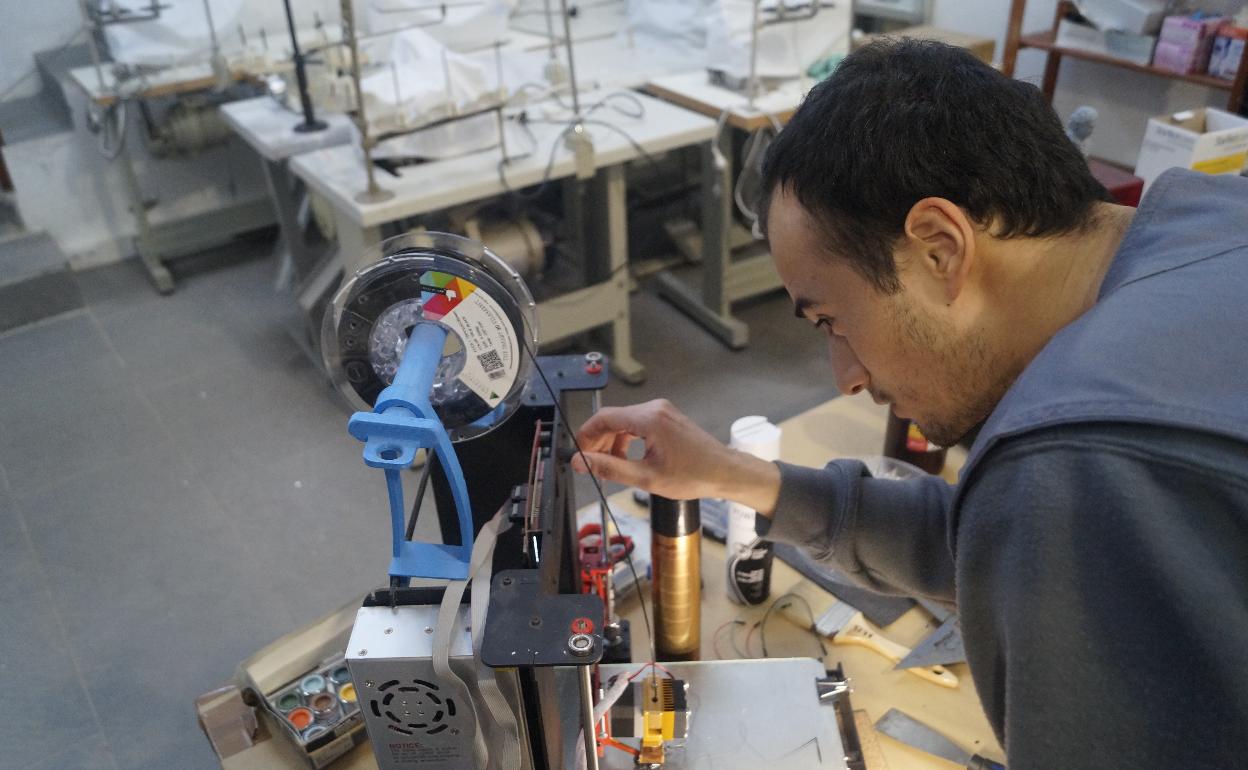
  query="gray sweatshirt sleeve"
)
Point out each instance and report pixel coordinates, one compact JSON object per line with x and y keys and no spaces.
{"x":891,"y":536}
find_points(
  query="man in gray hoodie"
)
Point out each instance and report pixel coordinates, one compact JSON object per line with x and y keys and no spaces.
{"x":931,"y":219}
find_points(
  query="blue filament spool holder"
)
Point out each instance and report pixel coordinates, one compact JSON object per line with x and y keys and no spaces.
{"x":430,"y":344}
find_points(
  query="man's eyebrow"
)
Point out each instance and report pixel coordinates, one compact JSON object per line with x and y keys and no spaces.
{"x":800,"y":306}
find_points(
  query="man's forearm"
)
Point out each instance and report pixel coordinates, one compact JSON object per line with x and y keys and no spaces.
{"x":889,"y":535}
{"x":752,"y":482}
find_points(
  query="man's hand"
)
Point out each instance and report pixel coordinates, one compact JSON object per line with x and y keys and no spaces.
{"x":681,"y":461}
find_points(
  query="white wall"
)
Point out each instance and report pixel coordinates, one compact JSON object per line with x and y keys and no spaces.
{"x":1124,"y":99}
{"x":28,"y":27}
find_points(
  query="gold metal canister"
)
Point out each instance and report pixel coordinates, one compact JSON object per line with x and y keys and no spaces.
{"x":676,"y":566}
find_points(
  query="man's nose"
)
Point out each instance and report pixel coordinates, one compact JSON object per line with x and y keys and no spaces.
{"x":851,"y":376}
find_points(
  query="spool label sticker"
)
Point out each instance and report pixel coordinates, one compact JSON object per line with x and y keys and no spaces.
{"x":492,"y":350}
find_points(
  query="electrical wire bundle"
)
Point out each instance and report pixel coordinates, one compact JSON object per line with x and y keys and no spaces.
{"x":782,"y":602}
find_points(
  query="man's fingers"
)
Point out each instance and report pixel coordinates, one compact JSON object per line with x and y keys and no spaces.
{"x":620,"y":447}
{"x":610,"y":420}
{"x":609,"y":468}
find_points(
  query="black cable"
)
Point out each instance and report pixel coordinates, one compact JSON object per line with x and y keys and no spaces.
{"x":550,"y":164}
{"x":635,"y":145}
{"x":569,"y":124}
{"x":762,"y":629}
{"x":588,"y":122}
{"x":602,"y":497}
{"x":420,"y":493}
{"x":637,"y":113}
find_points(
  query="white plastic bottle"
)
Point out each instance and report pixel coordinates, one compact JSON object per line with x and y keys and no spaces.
{"x":749,"y":557}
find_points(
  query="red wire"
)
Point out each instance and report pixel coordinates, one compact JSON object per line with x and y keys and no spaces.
{"x":651,"y":664}
{"x":613,"y":743}
{"x":715,"y":639}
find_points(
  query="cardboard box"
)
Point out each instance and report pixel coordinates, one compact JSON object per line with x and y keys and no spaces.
{"x":268,"y":670}
{"x":1178,"y":57}
{"x":1186,"y":43}
{"x":1137,"y":49}
{"x":1228,"y":51}
{"x":984,"y":48}
{"x":1207,"y":140}
{"x":1191,"y":30}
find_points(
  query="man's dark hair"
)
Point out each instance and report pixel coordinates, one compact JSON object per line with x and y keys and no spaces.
{"x":903,"y":120}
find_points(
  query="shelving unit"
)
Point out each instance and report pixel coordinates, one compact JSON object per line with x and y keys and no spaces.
{"x":1015,"y":40}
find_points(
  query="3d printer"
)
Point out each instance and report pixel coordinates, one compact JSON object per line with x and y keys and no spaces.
{"x":434,"y":343}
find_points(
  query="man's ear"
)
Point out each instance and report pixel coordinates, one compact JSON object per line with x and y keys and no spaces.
{"x":942,"y":238}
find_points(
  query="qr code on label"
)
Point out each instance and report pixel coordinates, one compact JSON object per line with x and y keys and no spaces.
{"x":492,"y":363}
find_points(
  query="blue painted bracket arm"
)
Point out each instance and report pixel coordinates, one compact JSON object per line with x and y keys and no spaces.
{"x":402,"y":423}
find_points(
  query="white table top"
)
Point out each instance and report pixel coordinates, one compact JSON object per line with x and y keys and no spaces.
{"x":269,"y":128}
{"x":171,"y":80}
{"x":338,"y":174}
{"x":696,"y":87}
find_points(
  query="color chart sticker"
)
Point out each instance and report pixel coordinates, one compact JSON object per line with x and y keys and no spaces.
{"x":492,"y":350}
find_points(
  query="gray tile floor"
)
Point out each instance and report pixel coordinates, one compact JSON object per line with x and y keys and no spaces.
{"x":177,"y":489}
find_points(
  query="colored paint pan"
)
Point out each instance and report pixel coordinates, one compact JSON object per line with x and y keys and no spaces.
{"x":312,"y":732}
{"x":301,"y":718}
{"x":346,"y":693}
{"x":289,"y":701}
{"x":340,"y":675}
{"x":324,"y":707}
{"x":312,"y":684}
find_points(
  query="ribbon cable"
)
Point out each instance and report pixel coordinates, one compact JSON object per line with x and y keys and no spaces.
{"x":609,"y":699}
{"x":480,"y":569}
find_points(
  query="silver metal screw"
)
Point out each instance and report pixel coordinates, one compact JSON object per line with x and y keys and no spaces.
{"x":580,"y":645}
{"x":362,"y":653}
{"x":389,"y":631}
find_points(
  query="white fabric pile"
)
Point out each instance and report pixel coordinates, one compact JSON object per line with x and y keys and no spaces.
{"x":423,"y":81}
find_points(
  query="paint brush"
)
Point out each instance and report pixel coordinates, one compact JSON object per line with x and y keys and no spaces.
{"x":846,"y":625}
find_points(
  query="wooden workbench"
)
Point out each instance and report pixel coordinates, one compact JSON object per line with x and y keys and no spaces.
{"x":852,"y":426}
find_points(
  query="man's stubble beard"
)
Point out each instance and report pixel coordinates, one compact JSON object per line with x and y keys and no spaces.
{"x":971,"y":379}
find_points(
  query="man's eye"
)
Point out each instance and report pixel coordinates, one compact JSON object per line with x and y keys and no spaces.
{"x":824,"y":323}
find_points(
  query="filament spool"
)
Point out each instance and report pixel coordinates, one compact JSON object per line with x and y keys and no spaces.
{"x":458,"y":284}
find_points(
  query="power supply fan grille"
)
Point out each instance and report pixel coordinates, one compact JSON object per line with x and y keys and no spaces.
{"x":416,"y":707}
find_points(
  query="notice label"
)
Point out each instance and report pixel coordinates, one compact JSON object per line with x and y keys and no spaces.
{"x":492,"y":351}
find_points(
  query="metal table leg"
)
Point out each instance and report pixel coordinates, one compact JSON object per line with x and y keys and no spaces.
{"x":294,"y":259}
{"x":354,"y":240}
{"x":623,"y":364}
{"x":713,"y":310}
{"x":160,"y":276}
{"x":323,"y":280}
{"x":605,"y":301}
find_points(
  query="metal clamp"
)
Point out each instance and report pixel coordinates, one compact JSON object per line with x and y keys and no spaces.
{"x":831,"y":688}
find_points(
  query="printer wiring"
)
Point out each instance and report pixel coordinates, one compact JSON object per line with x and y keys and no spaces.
{"x":602,"y":497}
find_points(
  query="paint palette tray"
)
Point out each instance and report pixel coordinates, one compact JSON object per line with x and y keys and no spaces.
{"x":318,"y":707}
